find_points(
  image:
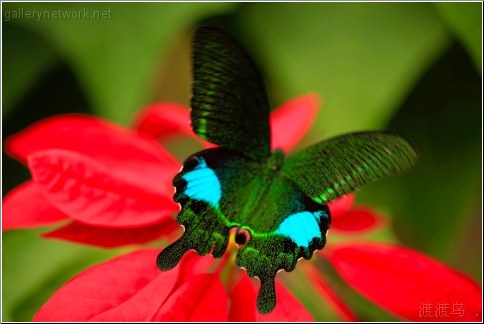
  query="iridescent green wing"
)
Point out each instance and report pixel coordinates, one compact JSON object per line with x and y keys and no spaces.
{"x":340,"y":165}
{"x":275,"y":221}
{"x":285,"y":225}
{"x":229,"y":103}
{"x":206,"y":188}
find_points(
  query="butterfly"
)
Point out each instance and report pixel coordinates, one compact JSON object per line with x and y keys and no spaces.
{"x":276,"y":205}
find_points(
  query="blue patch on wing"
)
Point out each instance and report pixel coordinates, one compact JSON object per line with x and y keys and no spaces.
{"x":203,"y":184}
{"x":301,"y":227}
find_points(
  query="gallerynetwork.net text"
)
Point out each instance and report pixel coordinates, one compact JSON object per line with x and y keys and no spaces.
{"x":39,"y":15}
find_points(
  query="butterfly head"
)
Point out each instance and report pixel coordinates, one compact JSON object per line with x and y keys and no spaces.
{"x":275,"y":161}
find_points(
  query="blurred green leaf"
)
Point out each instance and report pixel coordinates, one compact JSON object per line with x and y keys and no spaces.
{"x":465,"y":20}
{"x":25,"y":57}
{"x":361,"y":58}
{"x":116,"y":58}
{"x":436,"y":204}
{"x":33,"y":268}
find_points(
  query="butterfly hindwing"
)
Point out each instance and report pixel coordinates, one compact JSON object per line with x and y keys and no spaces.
{"x":220,"y":190}
{"x":198,"y":191}
{"x":340,"y":165}
{"x":297,"y":227}
{"x":229,"y":103}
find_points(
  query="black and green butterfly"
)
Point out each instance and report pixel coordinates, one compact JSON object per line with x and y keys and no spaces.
{"x":277,"y":206}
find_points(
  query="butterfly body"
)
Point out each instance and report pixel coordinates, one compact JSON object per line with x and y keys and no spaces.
{"x":276,"y":205}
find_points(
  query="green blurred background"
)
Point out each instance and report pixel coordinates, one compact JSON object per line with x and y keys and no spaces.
{"x":415,"y":68}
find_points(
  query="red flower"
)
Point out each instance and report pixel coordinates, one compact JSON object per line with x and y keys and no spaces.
{"x":112,"y":187}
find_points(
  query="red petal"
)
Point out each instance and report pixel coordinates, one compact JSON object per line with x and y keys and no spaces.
{"x":202,"y":299}
{"x":288,"y":309}
{"x":192,"y":265}
{"x":126,"y":288}
{"x":129,"y":288}
{"x":162,"y":120}
{"x":243,"y":299}
{"x":88,"y":192}
{"x":325,"y":290}
{"x":26,"y":207}
{"x":408,"y":283}
{"x":113,"y":237}
{"x":359,"y":219}
{"x":243,"y":305}
{"x":341,"y":205}
{"x":291,"y":121}
{"x":125,"y":152}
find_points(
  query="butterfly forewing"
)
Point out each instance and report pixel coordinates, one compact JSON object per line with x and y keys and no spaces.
{"x":338,"y":166}
{"x":229,"y":103}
